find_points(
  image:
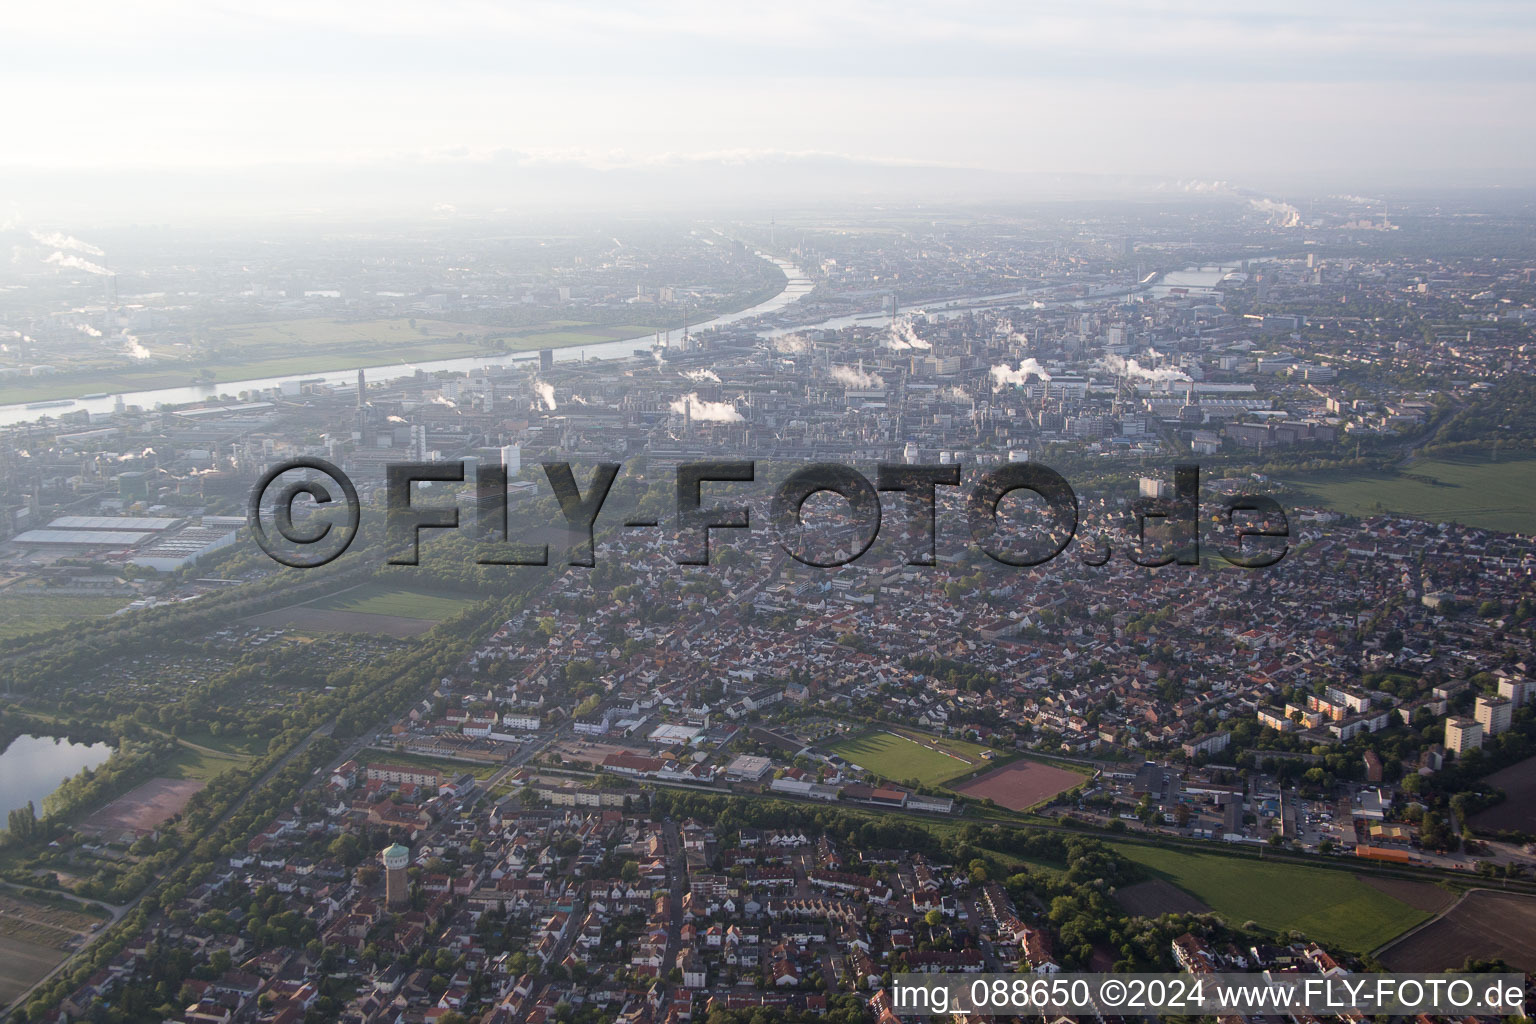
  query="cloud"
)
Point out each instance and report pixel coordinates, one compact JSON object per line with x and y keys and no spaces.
{"x":697,"y":409}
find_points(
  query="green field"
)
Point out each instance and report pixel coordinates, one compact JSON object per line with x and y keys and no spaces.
{"x":199,"y":764}
{"x":21,"y":615}
{"x":1332,"y":907}
{"x":383,"y":599}
{"x":1473,"y":491}
{"x":233,"y":745}
{"x":897,"y":757}
{"x":308,"y":345}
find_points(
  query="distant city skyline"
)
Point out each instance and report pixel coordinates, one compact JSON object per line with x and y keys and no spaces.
{"x":1267,"y":96}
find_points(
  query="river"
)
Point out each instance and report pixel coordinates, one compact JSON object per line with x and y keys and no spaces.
{"x":796,"y":287}
{"x":1196,"y":279}
{"x":33,"y":766}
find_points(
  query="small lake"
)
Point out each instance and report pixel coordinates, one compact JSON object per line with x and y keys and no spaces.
{"x":33,"y":766}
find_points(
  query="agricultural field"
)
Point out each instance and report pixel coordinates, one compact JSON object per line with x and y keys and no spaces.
{"x":898,"y":757}
{"x":23,"y":614}
{"x":1021,"y":785}
{"x":1482,"y":924}
{"x":1517,"y":812}
{"x":244,"y":351}
{"x":307,"y":345}
{"x":1333,"y":907}
{"x":575,"y":333}
{"x":34,"y":938}
{"x":1158,"y":897}
{"x":1474,"y":491}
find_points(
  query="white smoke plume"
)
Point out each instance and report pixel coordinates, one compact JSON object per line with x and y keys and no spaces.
{"x":903,"y":337}
{"x":78,"y":263}
{"x":856,"y":378}
{"x":398,"y":419}
{"x":1002,"y":376}
{"x":445,"y":400}
{"x":546,"y":392}
{"x":59,"y":240}
{"x":88,"y":329}
{"x":790,"y":345}
{"x":700,"y":376}
{"x":1135,"y":371}
{"x":696,"y":408}
{"x":1282,"y":215}
{"x":135,"y":349}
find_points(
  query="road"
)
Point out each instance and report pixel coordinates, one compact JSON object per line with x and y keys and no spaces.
{"x":677,"y":874}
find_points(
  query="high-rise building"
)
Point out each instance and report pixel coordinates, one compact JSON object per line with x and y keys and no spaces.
{"x":1494,"y":714}
{"x":1462,"y":734}
{"x":512,"y":459}
{"x":1516,"y":690}
{"x":397,"y":886}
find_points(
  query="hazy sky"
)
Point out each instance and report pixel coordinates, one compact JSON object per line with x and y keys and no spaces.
{"x":1255,"y":92}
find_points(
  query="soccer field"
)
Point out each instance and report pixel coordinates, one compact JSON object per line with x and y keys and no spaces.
{"x":1332,"y":907}
{"x":899,"y":758}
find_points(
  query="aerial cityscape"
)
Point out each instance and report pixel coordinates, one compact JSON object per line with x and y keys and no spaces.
{"x":726,"y":585}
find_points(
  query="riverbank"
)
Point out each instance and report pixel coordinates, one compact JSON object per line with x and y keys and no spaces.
{"x":571,"y":341}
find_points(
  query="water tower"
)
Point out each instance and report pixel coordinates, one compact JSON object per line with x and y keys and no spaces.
{"x":397,"y":887}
